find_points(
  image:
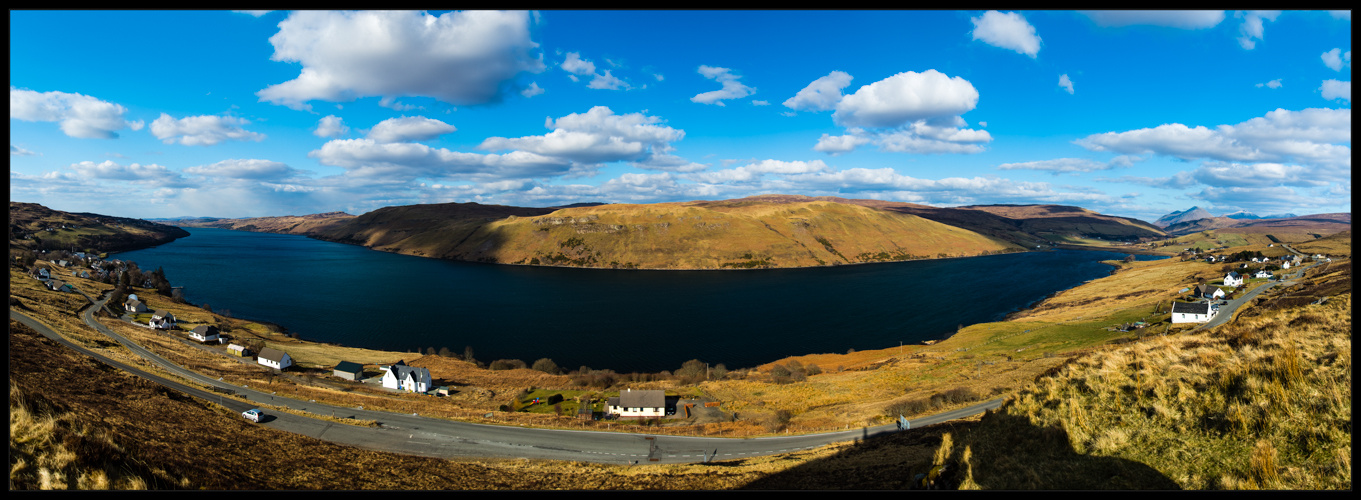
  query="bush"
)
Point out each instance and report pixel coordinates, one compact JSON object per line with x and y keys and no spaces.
{"x":814,"y":369}
{"x":547,"y":366}
{"x":507,"y":364}
{"x":719,"y":372}
{"x":779,"y":371}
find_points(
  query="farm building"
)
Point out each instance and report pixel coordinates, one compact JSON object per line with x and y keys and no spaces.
{"x":238,"y":350}
{"x":205,"y":333}
{"x":1186,"y":312}
{"x":274,"y":358}
{"x":408,"y":378}
{"x":638,"y":404}
{"x":349,"y":370}
{"x":59,"y":286}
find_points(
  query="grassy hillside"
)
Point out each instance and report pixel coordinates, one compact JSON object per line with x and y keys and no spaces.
{"x":35,"y":227}
{"x":693,"y":235}
{"x":289,"y":224}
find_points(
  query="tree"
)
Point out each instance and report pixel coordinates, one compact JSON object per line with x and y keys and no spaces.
{"x":547,"y":366}
{"x":430,"y":351}
{"x":719,"y":372}
{"x":444,"y":352}
{"x":1129,"y":258}
{"x":468,"y":354}
{"x":692,"y":371}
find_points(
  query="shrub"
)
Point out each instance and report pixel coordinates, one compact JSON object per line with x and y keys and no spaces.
{"x":547,"y":366}
{"x":719,"y":372}
{"x":814,"y":369}
{"x":507,"y":364}
{"x":779,"y":371}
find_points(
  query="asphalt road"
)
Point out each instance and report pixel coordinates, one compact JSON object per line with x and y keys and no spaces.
{"x":433,"y":437}
{"x":1226,"y":312}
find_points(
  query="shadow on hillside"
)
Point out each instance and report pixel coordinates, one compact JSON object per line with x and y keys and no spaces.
{"x":1007,"y":453}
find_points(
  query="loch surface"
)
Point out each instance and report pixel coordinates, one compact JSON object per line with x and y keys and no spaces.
{"x":625,"y":320}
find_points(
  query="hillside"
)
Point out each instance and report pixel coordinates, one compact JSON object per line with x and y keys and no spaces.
{"x":1299,"y":228}
{"x":35,"y":227}
{"x":1189,"y":215}
{"x":691,"y":235}
{"x":288,"y":224}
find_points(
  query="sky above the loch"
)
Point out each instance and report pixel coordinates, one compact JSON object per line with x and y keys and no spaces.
{"x":241,"y":114}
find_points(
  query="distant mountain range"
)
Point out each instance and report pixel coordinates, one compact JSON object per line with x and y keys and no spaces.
{"x":1196,"y":213}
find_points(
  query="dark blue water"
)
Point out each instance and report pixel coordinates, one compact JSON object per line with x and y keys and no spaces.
{"x":623,"y":320}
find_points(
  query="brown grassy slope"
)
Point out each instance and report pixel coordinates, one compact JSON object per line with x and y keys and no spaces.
{"x":695,"y":235}
{"x":287,"y":224}
{"x":1195,"y":226}
{"x":85,"y":231}
{"x":1338,"y":244}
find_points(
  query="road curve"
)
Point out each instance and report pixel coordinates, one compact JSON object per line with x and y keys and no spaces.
{"x":440,"y":438}
{"x":1225,"y":313}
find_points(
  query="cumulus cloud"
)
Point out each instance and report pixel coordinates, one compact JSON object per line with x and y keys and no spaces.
{"x":1252,"y":30}
{"x":255,"y":13}
{"x":576,"y":66}
{"x":1007,"y":31}
{"x":1311,"y":135}
{"x":607,"y":81}
{"x":18,"y":151}
{"x":1333,"y":89}
{"x":469,"y":57}
{"x":597,"y":136}
{"x":1071,"y":165}
{"x":838,"y":144}
{"x":754,"y":171}
{"x":1228,"y":174}
{"x":1066,"y":83}
{"x":399,"y":162}
{"x":330,"y":126}
{"x":904,"y":98}
{"x":203,"y":130}
{"x":1184,"y":19}
{"x":79,"y":115}
{"x":820,"y":95}
{"x":1275,"y":84}
{"x":1334,"y":58}
{"x":108,"y":170}
{"x":732,"y":89}
{"x":532,"y":90}
{"x":244,"y":169}
{"x":409,"y":128}
{"x":756,"y":102}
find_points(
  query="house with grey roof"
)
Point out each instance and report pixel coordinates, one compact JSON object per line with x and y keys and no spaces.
{"x":1189,"y":312}
{"x":637,"y":404}
{"x":162,"y":320}
{"x":1233,"y":279}
{"x":407,"y":378}
{"x":274,"y":358}
{"x":205,"y":333}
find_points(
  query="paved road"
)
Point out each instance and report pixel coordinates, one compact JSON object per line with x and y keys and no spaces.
{"x":415,"y":435}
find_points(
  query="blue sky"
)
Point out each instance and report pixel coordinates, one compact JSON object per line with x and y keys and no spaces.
{"x":241,"y":114}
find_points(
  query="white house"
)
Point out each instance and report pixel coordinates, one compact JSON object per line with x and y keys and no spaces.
{"x":1233,"y":279}
{"x":637,"y":404}
{"x":274,"y":358}
{"x":162,"y":320}
{"x":1209,"y":292}
{"x":1187,"y":312}
{"x":205,"y":333}
{"x":135,"y":306}
{"x":1255,"y":259}
{"x":409,"y":378}
{"x":1262,"y":274}
{"x":1285,"y":264}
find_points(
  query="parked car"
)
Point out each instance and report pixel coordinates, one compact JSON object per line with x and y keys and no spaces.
{"x":253,"y":415}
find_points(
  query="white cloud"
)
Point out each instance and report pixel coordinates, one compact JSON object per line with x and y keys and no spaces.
{"x":606,"y":81}
{"x":574,"y":64}
{"x":1066,"y":83}
{"x":922,"y":137}
{"x":330,"y":126}
{"x":108,"y":170}
{"x":597,"y":136}
{"x":1071,"y":165}
{"x":755,"y":102}
{"x":1333,"y":58}
{"x":400,"y":162}
{"x":1007,"y":31}
{"x":203,"y":130}
{"x":244,"y":169}
{"x":469,"y":57}
{"x":822,"y":94}
{"x":1227,"y":174}
{"x":18,"y":151}
{"x":1275,"y":84}
{"x":1333,"y":89}
{"x":533,"y":90}
{"x":1252,"y":28}
{"x":836,"y":145}
{"x":732,"y":89}
{"x":408,"y":129}
{"x":906,"y":97}
{"x":1184,"y":19}
{"x":79,"y":115}
{"x":391,"y":103}
{"x":256,"y":13}
{"x":1341,"y":14}
{"x":1310,"y":135}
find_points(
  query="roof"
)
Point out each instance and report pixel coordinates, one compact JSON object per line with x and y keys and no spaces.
{"x":642,"y":399}
{"x":349,"y":367}
{"x":1191,"y":308}
{"x":417,"y":373}
{"x":1234,"y":275}
{"x":161,"y":314}
{"x":272,"y":354}
{"x":205,"y":330}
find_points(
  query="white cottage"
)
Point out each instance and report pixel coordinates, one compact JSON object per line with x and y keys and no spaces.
{"x":1285,"y":264}
{"x":1187,"y":312}
{"x":637,"y":404}
{"x":135,"y":306}
{"x":274,"y":358}
{"x":1262,"y":274}
{"x":1233,"y":279}
{"x":408,"y":378}
{"x":1209,"y":292}
{"x":162,"y":320}
{"x":205,"y":333}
